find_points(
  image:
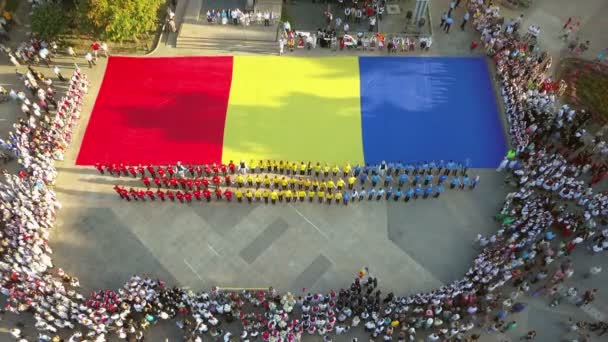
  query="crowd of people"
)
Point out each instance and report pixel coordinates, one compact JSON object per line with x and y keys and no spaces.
{"x":236,"y":16}
{"x":275,"y":182}
{"x":551,"y":213}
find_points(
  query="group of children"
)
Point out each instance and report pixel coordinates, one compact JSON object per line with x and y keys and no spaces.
{"x":279,"y":181}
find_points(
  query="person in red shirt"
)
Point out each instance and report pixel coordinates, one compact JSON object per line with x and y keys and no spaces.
{"x":171,"y":195}
{"x":151,"y":170}
{"x":170,"y":170}
{"x":199,"y":170}
{"x":166,"y":182}
{"x":99,"y":168}
{"x":188,"y":196}
{"x":173,"y":182}
{"x":160,"y":195}
{"x":157,"y":182}
{"x":141,"y":170}
{"x":223,"y":169}
{"x":133,"y":193}
{"x":123,"y":169}
{"x":150,"y":194}
{"x":207,"y":170}
{"x":125,"y":195}
{"x":197,"y":194}
{"x":161,"y":172}
{"x":215,"y":169}
{"x":232,"y":167}
{"x":216,"y":180}
{"x":218,"y":193}
{"x":189,"y":184}
{"x":228,"y":195}
{"x":207,"y":195}
{"x":205,"y":182}
{"x":132,"y":171}
{"x":191,"y":170}
{"x":227,"y":180}
{"x":95,"y":48}
{"x":146,"y":181}
{"x":180,"y":196}
{"x":118,"y":190}
{"x":182,"y":183}
{"x":108,"y":168}
{"x":142,"y":195}
{"x":197,"y":183}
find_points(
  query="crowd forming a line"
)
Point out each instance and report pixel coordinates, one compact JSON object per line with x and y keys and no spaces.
{"x":260,"y":181}
{"x":523,"y":256}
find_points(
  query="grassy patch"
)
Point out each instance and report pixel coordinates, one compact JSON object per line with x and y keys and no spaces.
{"x":587,"y":86}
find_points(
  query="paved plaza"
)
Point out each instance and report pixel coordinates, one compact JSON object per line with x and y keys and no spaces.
{"x":410,"y":247}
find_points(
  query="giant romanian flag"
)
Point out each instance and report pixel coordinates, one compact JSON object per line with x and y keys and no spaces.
{"x":333,"y":109}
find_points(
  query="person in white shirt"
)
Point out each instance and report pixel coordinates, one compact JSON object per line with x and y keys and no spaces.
{"x":89,"y":59}
{"x":104,"y":49}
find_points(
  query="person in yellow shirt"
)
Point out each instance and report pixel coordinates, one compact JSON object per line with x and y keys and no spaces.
{"x":253,"y":166}
{"x":300,"y":184}
{"x":258,"y":181}
{"x":258,"y":195}
{"x":273,"y":197}
{"x":266,"y":194}
{"x":239,"y":195}
{"x":267,"y":182}
{"x":302,"y":169}
{"x":309,"y":169}
{"x":249,"y":195}
{"x":288,"y":196}
{"x":281,"y":195}
{"x":281,"y":166}
{"x":249,"y":180}
{"x":330,"y":197}
{"x":292,"y":183}
{"x":294,"y":168}
{"x":323,"y":185}
{"x":294,"y":196}
{"x":317,"y":169}
{"x":302,"y":195}
{"x":321,"y":195}
{"x":338,"y":197}
{"x":311,"y":195}
{"x":240,"y":180}
{"x":347,"y":169}
{"x":351,"y":182}
{"x":315,"y":184}
{"x":284,"y":183}
{"x":335,"y":170}
{"x":330,"y":185}
{"x":276,"y":182}
{"x":271,"y":165}
{"x":262,"y":165}
{"x":307,"y":184}
{"x":340,"y":183}
{"x":326,"y":170}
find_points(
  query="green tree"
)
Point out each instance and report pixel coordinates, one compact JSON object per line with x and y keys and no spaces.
{"x":48,"y":20}
{"x":121,"y":20}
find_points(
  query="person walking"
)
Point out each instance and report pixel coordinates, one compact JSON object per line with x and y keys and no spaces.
{"x":448,"y":24}
{"x":465,"y":20}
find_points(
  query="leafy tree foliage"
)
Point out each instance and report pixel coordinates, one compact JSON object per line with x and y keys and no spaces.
{"x":48,"y":20}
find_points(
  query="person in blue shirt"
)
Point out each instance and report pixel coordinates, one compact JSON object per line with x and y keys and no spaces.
{"x":379,"y":194}
{"x":418,"y":191}
{"x":388,"y":179}
{"x":372,"y":193}
{"x":375,"y":180}
{"x":432,"y":166}
{"x":391,"y":167}
{"x":362,"y":194}
{"x":402,"y":179}
{"x":389,"y":193}
{"x":465,"y":182}
{"x":438,"y":191}
{"x":428,"y":178}
{"x":449,"y":167}
{"x":408,"y":169}
{"x":397,"y":194}
{"x":362,"y":178}
{"x":424,"y":167}
{"x":408,"y":194}
{"x":416,"y":179}
{"x":428,"y":191}
{"x":440,"y":166}
{"x":366,"y":169}
{"x":474,"y":182}
{"x":454,"y":183}
{"x":357,"y":170}
{"x":345,"y":198}
{"x":441,"y":179}
{"x":398,"y":168}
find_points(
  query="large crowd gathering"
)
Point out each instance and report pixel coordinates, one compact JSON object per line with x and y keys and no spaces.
{"x":275,"y":182}
{"x":551,"y":213}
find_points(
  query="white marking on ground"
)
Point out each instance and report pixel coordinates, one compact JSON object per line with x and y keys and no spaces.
{"x":309,"y":222}
{"x":193,"y":270}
